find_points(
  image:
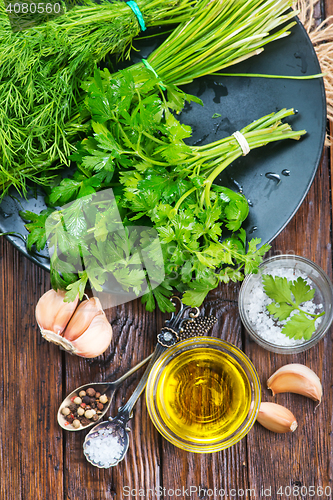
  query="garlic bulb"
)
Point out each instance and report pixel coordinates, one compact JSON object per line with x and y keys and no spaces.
{"x":82,"y":330}
{"x":276,"y":418}
{"x":296,"y":378}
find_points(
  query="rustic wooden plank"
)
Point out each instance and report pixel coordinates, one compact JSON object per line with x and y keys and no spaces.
{"x":30,"y":440}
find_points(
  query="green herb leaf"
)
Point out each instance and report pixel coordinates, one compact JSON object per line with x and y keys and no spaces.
{"x":277,"y":288}
{"x":299,"y":326}
{"x":77,"y":288}
{"x":169,"y":185}
{"x":36,"y":227}
{"x":301,"y":291}
{"x":198,"y":290}
{"x":280,"y":311}
{"x":287,"y":296}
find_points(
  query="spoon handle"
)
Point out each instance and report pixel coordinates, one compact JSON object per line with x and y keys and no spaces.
{"x":124,"y":412}
{"x":132,"y":370}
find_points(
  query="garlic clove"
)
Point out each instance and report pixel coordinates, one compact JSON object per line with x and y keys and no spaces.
{"x":95,"y":340}
{"x":276,"y":418}
{"x":52,"y":313}
{"x":82,"y":318}
{"x":296,"y":378}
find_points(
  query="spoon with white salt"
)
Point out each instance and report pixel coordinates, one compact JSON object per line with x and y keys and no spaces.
{"x":107,"y":443}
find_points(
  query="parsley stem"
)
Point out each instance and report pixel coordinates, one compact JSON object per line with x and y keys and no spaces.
{"x":182,"y":198}
{"x":150,"y":160}
{"x":208,"y":183}
{"x":139,"y":152}
{"x":310,"y":314}
{"x":152,"y":138}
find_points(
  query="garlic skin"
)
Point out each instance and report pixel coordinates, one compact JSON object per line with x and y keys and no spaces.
{"x":95,"y":340}
{"x":82,"y":318}
{"x":52,"y":313}
{"x":298,"y":379}
{"x":276,"y":418}
{"x":83,"y":330}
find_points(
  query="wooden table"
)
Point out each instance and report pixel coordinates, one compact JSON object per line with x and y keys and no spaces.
{"x":41,"y":462}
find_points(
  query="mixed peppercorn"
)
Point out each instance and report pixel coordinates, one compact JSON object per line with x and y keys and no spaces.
{"x":86,"y":407}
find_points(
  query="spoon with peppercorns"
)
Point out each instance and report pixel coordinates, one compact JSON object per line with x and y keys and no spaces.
{"x":86,"y":405}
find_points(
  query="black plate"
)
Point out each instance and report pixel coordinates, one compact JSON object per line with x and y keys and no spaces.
{"x":239,"y":101}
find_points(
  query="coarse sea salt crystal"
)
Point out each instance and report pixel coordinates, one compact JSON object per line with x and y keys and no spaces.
{"x":263,"y":323}
{"x":104,"y":448}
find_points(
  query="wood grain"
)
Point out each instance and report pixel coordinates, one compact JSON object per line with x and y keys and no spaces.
{"x":30,"y":439}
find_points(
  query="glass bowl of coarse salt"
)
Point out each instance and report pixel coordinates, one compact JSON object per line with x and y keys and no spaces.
{"x":253,"y":301}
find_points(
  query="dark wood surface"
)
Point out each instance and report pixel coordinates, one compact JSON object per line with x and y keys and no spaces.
{"x":41,"y":462}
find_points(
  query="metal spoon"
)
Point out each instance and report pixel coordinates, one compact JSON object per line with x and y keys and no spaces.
{"x":107,"y":443}
{"x":108,"y":388}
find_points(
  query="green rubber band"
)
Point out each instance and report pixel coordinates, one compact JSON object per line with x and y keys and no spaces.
{"x":135,"y":8}
{"x":146,"y":63}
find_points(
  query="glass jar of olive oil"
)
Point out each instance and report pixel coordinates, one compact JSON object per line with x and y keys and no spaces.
{"x":203,"y":394}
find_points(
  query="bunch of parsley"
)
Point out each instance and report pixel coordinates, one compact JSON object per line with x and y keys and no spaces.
{"x":137,"y":147}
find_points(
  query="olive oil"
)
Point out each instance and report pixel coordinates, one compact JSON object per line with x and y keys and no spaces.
{"x":204,"y":395}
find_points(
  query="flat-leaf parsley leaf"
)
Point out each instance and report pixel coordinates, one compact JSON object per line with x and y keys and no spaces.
{"x":287,"y":297}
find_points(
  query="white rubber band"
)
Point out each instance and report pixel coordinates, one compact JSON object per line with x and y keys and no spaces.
{"x":242,"y":142}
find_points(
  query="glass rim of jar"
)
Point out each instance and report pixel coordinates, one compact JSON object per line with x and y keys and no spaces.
{"x":203,"y":446}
